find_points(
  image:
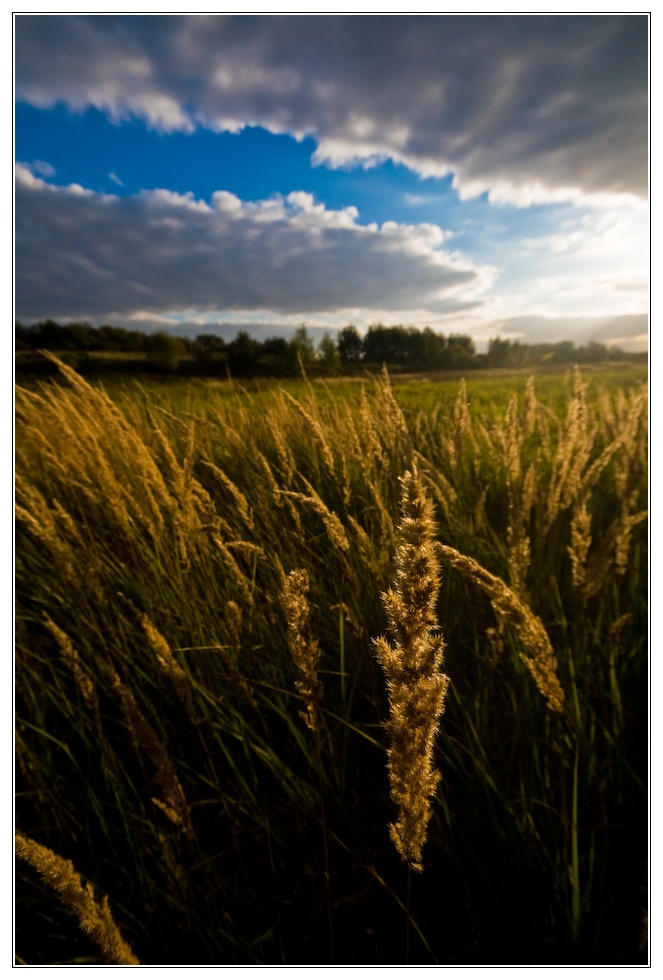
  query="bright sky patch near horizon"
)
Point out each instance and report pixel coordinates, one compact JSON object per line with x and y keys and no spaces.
{"x":477,"y":174}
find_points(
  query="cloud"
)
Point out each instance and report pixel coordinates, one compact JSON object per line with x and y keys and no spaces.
{"x":582,"y":261}
{"x":87,"y":255}
{"x":528,"y":108}
{"x":629,"y":332}
{"x":39,"y":168}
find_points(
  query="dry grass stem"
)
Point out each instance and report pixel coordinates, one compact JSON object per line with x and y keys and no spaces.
{"x":415,"y":684}
{"x":240,"y":579}
{"x":314,"y":425}
{"x":463,"y":429}
{"x":573,"y":453}
{"x":173,"y":801}
{"x":372,"y":455}
{"x":330,"y":519}
{"x":95,"y":918}
{"x":520,"y":496}
{"x":168,"y":663}
{"x":581,"y":539}
{"x":231,"y":654}
{"x":391,"y":419}
{"x":43,"y":524}
{"x":84,"y":682}
{"x":283,"y":451}
{"x":239,"y":498}
{"x":303,"y":645}
{"x":510,"y":609}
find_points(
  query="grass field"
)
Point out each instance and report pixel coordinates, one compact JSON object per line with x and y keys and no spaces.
{"x":202,"y":733}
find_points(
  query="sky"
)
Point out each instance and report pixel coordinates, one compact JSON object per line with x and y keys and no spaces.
{"x":484,"y":175}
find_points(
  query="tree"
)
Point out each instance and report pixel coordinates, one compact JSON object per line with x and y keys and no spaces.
{"x":499,"y":352}
{"x":432,"y":349}
{"x":564,"y":351}
{"x":350,"y":346}
{"x":209,"y":344}
{"x":302,"y":344}
{"x":460,"y":350}
{"x":167,"y":350}
{"x":277,"y":357}
{"x":21,"y":336}
{"x":593,"y":352}
{"x":117,"y":338}
{"x":210,"y":354}
{"x":243,"y":354}
{"x":328,"y":356}
{"x":386,"y":345}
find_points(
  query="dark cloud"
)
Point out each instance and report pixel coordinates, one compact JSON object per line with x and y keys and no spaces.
{"x":80,"y":254}
{"x":528,"y":107}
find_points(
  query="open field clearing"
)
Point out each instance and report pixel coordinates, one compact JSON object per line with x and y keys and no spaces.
{"x":202,"y":572}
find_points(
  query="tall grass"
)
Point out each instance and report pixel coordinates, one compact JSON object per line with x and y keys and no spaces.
{"x":159,"y":737}
{"x":95,"y":917}
{"x":412,"y":665}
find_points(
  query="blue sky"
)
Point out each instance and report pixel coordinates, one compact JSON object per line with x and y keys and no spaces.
{"x":483,"y":175}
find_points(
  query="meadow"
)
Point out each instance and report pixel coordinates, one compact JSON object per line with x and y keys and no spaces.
{"x":208,"y":652}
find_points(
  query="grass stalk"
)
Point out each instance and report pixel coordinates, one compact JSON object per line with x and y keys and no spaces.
{"x":415,"y":683}
{"x":94,"y":916}
{"x":575,"y":859}
{"x":341,"y":647}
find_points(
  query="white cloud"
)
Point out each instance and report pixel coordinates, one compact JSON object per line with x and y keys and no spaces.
{"x":40,"y":168}
{"x":81,"y":254}
{"x":528,"y":108}
{"x":25,"y":177}
{"x":575,"y":261}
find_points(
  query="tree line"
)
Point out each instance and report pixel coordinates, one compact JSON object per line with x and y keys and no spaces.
{"x":400,"y":348}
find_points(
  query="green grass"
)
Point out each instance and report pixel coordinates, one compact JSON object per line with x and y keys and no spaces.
{"x":537,"y":850}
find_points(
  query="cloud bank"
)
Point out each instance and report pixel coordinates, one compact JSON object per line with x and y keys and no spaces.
{"x":85,"y":255}
{"x":529,"y":108}
{"x":628,"y":331}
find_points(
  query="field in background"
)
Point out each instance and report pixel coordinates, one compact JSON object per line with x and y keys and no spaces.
{"x":159,"y":740}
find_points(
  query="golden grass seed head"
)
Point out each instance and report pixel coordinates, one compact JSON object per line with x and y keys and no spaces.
{"x":531,"y":407}
{"x":238,"y":497}
{"x":84,"y":682}
{"x":316,"y":429}
{"x":330,"y":519}
{"x":168,"y":663}
{"x":416,"y":688}
{"x":243,"y":583}
{"x":530,"y":630}
{"x":95,"y":917}
{"x":581,"y":539}
{"x":145,"y":738}
{"x":303,"y":646}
